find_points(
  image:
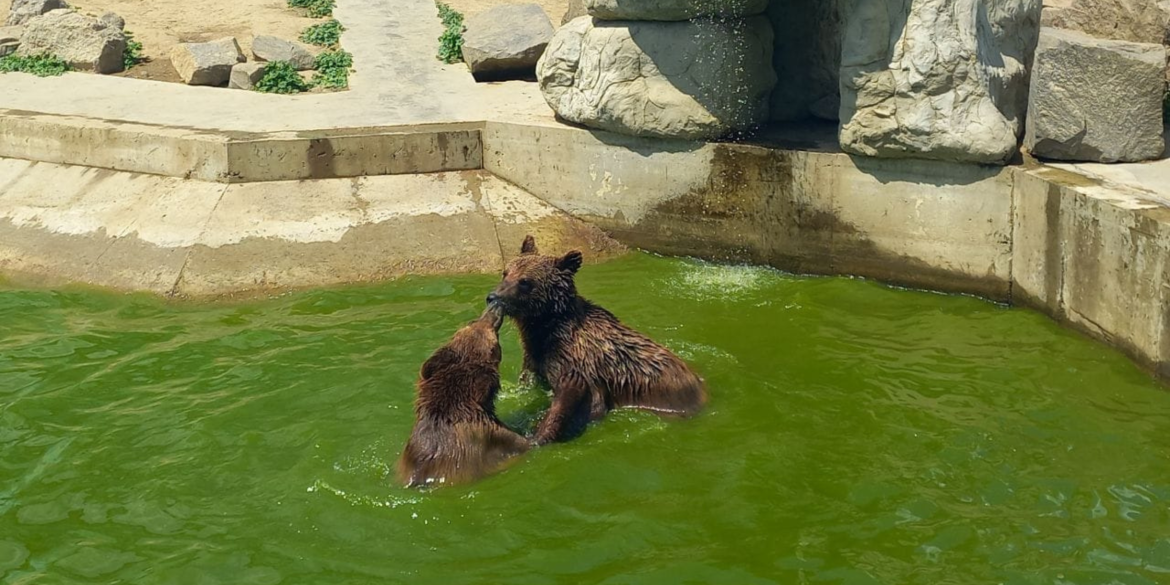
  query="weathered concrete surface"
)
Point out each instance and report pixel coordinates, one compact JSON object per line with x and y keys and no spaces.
{"x":931,"y":225}
{"x":1095,"y":256}
{"x":239,"y":157}
{"x":197,"y":239}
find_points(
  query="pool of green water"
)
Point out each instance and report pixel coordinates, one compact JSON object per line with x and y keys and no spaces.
{"x":857,"y":434}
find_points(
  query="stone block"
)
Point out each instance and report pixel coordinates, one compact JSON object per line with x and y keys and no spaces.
{"x":85,"y":43}
{"x":245,"y":75}
{"x":207,"y":63}
{"x":269,"y":48}
{"x":505,"y":42}
{"x":23,"y":11}
{"x":1095,"y":100}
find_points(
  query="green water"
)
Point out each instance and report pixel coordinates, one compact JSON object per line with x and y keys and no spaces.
{"x":857,"y":434}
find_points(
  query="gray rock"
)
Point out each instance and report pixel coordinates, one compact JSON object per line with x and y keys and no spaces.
{"x":113,"y":20}
{"x":1140,"y":21}
{"x":85,"y":43}
{"x":207,"y":63}
{"x":807,"y":59}
{"x":674,"y":10}
{"x":268,"y":48}
{"x":505,"y":42}
{"x":23,"y":11}
{"x":576,"y":10}
{"x":245,"y":75}
{"x":690,"y":80}
{"x":936,"y":79}
{"x":1094,"y":99}
{"x":9,"y":39}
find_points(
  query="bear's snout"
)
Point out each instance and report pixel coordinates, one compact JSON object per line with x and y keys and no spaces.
{"x":493,"y":298}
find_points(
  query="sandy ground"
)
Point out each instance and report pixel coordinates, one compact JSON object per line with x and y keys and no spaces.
{"x":161,"y":24}
{"x":555,"y":9}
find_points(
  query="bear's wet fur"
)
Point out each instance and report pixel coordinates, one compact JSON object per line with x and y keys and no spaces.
{"x":457,"y":437}
{"x":591,"y":360}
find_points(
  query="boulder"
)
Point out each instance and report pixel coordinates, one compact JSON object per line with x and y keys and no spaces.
{"x":1095,"y":99}
{"x":9,"y":39}
{"x":691,"y":80}
{"x":575,"y":10}
{"x":936,"y":79}
{"x":207,"y":63}
{"x":245,"y":75}
{"x":268,"y":48}
{"x":113,"y":20}
{"x":674,"y":10}
{"x":1140,"y":21}
{"x":505,"y":42}
{"x":807,"y":59}
{"x":85,"y":43}
{"x":23,"y":11}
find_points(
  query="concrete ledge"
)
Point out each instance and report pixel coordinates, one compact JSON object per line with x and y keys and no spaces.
{"x":239,"y":157}
{"x":183,"y":238}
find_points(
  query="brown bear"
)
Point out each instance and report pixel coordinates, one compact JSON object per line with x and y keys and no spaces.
{"x":591,"y":360}
{"x":456,"y":436}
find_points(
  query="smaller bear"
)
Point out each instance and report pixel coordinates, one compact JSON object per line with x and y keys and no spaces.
{"x":457,"y":437}
{"x":593,"y":362}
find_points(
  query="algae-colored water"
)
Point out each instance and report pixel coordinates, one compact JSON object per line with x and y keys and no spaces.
{"x":857,"y":434}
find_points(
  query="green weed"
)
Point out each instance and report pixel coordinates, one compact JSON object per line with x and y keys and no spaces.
{"x":451,"y":41}
{"x":333,"y":69}
{"x":281,"y":77}
{"x":132,"y":55}
{"x":315,"y":8}
{"x":326,"y":34}
{"x":39,"y":65}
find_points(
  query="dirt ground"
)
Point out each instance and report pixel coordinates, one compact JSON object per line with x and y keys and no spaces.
{"x":161,"y":24}
{"x":555,"y":9}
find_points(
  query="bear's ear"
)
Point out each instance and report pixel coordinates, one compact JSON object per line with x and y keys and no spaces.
{"x":529,"y":246}
{"x":570,"y":262}
{"x":442,"y":358}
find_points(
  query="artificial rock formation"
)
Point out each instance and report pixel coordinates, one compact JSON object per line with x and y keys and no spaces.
{"x":23,"y":11}
{"x":693,"y":79}
{"x":1095,"y":99}
{"x":673,"y":10}
{"x":505,"y":42}
{"x":207,"y":63}
{"x":85,"y":43}
{"x":936,"y":79}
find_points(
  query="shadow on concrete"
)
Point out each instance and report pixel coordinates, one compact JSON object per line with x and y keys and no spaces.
{"x":929,"y":172}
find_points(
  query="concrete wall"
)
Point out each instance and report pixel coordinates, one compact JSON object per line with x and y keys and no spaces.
{"x":931,"y":225}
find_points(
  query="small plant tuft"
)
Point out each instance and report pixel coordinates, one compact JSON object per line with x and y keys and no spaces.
{"x":132,"y":55}
{"x":281,"y":77}
{"x":451,"y":41}
{"x":333,"y":70}
{"x":40,"y":65}
{"x":314,"y":8}
{"x":326,"y":34}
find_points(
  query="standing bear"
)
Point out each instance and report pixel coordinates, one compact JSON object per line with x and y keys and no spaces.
{"x":456,"y":436}
{"x":591,"y":360}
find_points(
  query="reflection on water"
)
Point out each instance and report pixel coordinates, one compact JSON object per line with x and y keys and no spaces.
{"x":856,"y":434}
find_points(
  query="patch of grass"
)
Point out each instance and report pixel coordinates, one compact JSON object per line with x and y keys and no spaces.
{"x":333,"y":70}
{"x":281,"y":77}
{"x":451,"y":41}
{"x":314,"y":8}
{"x":132,"y":55}
{"x":326,"y":34}
{"x":39,"y":65}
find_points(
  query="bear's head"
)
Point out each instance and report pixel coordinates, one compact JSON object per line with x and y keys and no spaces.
{"x":477,"y":343}
{"x":537,"y":285}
